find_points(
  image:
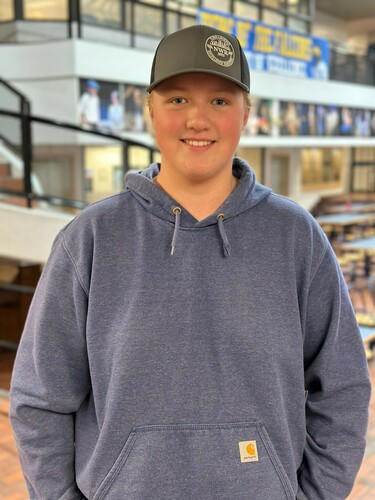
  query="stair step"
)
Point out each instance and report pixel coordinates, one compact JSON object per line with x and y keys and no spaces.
{"x":11,"y":183}
{"x":4,"y":169}
{"x":18,"y":202}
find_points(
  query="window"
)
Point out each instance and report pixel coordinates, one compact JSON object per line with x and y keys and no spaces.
{"x":321,"y":168}
{"x":40,"y":10}
{"x":6,"y":10}
{"x":298,"y":25}
{"x":273,"y":18}
{"x":242,"y":9}
{"x":298,"y":6}
{"x":221,"y":5}
{"x":148,"y":21}
{"x":106,"y":13}
{"x":273,"y":3}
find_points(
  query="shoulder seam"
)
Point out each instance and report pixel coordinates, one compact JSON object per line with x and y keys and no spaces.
{"x":320,"y":260}
{"x":65,"y":246}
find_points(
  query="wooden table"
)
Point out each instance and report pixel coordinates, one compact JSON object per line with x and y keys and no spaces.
{"x":345,"y":220}
{"x":368,"y":336}
{"x":367,"y":333}
{"x":367,"y":245}
{"x":355,"y":207}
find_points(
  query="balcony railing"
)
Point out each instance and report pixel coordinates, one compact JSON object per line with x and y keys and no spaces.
{"x":140,"y":25}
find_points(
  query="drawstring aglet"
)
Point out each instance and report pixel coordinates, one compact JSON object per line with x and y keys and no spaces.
{"x":177,"y":212}
{"x":224,"y":238}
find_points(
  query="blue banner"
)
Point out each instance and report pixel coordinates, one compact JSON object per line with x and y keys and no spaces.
{"x":274,"y":49}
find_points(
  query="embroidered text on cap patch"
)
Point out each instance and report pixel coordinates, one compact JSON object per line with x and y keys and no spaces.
{"x":220,"y":50}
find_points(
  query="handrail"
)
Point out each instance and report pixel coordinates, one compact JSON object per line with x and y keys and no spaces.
{"x":13,"y":287}
{"x":78,"y":128}
{"x":26,"y":146}
{"x":13,"y":89}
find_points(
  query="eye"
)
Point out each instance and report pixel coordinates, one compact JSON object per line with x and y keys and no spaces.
{"x":219,"y":101}
{"x":178,"y":100}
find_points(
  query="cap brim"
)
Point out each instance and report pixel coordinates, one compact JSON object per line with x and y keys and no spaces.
{"x":195,"y":70}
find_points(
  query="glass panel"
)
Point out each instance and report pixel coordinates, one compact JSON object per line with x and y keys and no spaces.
{"x":181,"y":4}
{"x":222,"y":5}
{"x":172,"y":22}
{"x":135,"y":108}
{"x":276,"y":4}
{"x":187,"y":21}
{"x":298,"y":6}
{"x":105,"y":13}
{"x":10,"y":133}
{"x":43,"y":10}
{"x":279,"y":174}
{"x":128,"y":15}
{"x":138,"y":157}
{"x":272,"y":18}
{"x":148,"y":21}
{"x":9,"y":101}
{"x":156,"y":157}
{"x":321,"y":168}
{"x":253,"y":156}
{"x":154,"y":2}
{"x":247,"y":11}
{"x":6,"y":10}
{"x":103,"y":171}
{"x":298,"y":25}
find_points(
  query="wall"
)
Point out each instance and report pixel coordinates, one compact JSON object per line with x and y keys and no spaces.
{"x":29,"y":234}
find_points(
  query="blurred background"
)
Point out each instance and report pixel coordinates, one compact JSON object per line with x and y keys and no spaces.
{"x":73,"y":121}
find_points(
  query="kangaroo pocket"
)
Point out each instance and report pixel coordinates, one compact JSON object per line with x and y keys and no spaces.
{"x":208,"y":461}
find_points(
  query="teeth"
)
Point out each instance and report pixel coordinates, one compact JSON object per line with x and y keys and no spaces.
{"x":198,"y":143}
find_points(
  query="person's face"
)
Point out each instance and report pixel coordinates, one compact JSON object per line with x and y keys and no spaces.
{"x":198,"y":119}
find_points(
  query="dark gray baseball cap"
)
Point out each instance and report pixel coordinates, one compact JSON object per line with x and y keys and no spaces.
{"x":200,"y":49}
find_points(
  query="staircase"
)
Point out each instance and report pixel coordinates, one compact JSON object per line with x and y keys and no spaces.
{"x":7,"y":181}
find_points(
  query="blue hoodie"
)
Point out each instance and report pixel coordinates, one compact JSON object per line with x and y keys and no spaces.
{"x":231,"y":369}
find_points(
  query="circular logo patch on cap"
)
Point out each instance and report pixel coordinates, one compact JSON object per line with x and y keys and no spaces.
{"x":220,"y":50}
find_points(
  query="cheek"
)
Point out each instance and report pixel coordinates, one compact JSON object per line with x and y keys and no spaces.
{"x":165,"y":125}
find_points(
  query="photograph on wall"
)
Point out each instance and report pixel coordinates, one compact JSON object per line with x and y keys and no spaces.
{"x":260,"y":118}
{"x":289,"y":119}
{"x":346,"y":121}
{"x":332,"y":120}
{"x":135,"y":104}
{"x":302,"y":119}
{"x":100,"y":106}
{"x":362,"y":123}
{"x":88,"y":107}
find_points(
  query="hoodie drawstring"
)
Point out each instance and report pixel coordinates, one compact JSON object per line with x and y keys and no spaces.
{"x":223,"y":234}
{"x":177,"y":213}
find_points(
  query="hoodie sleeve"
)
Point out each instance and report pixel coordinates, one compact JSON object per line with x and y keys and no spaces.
{"x":51,"y":379}
{"x":336,"y":378}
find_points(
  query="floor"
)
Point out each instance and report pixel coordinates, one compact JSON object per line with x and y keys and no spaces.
{"x":12,"y":486}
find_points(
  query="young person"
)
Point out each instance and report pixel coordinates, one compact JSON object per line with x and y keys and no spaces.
{"x":192,"y":337}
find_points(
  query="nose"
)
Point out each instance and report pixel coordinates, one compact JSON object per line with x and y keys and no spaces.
{"x":197,"y":118}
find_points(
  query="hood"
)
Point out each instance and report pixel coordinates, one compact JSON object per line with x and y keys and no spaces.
{"x":246,"y":195}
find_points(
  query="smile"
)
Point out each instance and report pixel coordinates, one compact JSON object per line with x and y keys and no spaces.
{"x":197,"y":143}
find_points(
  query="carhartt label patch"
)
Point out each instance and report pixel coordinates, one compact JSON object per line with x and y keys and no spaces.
{"x":220,"y":50}
{"x":248,"y":451}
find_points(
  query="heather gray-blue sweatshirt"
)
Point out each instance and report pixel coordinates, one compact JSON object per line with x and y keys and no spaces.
{"x":143,"y":375}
